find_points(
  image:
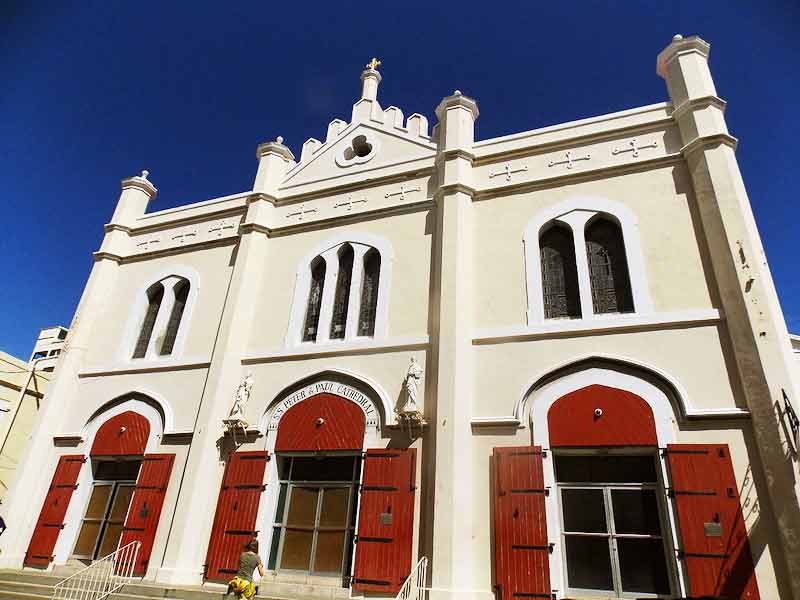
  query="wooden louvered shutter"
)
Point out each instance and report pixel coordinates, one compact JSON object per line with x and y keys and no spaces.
{"x":712,"y":533}
{"x":51,"y":518}
{"x":386,"y":520}
{"x":522,"y":552}
{"x":237,"y":509}
{"x":145,"y":509}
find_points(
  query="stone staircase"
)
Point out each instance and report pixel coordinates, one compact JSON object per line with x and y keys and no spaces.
{"x":33,"y":585}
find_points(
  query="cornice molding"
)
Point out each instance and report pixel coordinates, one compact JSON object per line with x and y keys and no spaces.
{"x":99,"y":255}
{"x":109,"y":227}
{"x":457,"y":100}
{"x":457,"y":153}
{"x":452,"y":188}
{"x":337,"y":349}
{"x":151,"y":366}
{"x":681,"y":46}
{"x":139,"y":183}
{"x":709,"y":141}
{"x":276,"y":148}
{"x":698,"y":103}
{"x":247,"y":228}
{"x":585,"y":175}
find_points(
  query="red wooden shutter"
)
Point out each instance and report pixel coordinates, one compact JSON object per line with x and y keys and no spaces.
{"x":145,"y":510}
{"x":51,"y":518}
{"x":522,"y":552}
{"x":386,"y":520}
{"x":713,"y":537}
{"x":237,"y":509}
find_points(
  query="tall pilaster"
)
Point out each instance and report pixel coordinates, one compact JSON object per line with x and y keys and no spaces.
{"x":454,"y":535}
{"x":195,"y":512}
{"x":752,"y":312}
{"x":37,"y":464}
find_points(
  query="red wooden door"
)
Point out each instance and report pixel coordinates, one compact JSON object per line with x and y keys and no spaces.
{"x":145,"y":509}
{"x":521,"y":549}
{"x":51,"y":518}
{"x":123,"y":435}
{"x":713,"y":537}
{"x":321,"y":422}
{"x":386,"y":520}
{"x":237,"y":509}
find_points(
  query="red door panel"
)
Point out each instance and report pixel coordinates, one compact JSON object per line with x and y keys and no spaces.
{"x":321,"y":422}
{"x":237,"y":510}
{"x":123,"y":435}
{"x":386,"y":520}
{"x":51,"y":517}
{"x":145,"y":510}
{"x":522,"y":552}
{"x":714,"y":543}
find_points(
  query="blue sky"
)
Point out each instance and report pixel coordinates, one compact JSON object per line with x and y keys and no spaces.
{"x":96,"y":91}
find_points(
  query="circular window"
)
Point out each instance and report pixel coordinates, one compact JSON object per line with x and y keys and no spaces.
{"x":362,"y":148}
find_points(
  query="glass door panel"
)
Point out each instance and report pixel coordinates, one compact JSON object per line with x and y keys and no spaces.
{"x":92,"y":523}
{"x":116,"y":519}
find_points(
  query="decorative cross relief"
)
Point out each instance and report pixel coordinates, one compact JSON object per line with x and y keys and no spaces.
{"x":634,"y":148}
{"x":507,"y":171}
{"x":181,"y":237}
{"x":302,"y":212}
{"x":220,"y":228}
{"x":570,"y":160}
{"x":145,"y":244}
{"x":403,"y":191}
{"x":349,"y":203}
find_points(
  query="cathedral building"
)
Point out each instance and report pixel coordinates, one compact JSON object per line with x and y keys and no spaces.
{"x":552,"y":364}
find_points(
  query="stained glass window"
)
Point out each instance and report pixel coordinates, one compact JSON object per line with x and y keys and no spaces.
{"x":608,"y":268}
{"x":559,"y":274}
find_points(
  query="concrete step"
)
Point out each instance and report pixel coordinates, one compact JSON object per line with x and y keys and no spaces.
{"x":29,"y":584}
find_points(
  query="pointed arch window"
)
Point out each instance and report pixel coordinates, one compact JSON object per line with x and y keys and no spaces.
{"x":559,"y":274}
{"x":155,"y":295}
{"x":341,"y":299}
{"x":608,"y":268}
{"x":314,"y":306}
{"x":369,"y":293}
{"x":181,"y":291}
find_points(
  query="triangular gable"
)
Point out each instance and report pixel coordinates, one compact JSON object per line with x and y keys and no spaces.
{"x":394,"y":146}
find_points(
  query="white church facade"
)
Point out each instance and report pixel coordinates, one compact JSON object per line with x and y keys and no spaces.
{"x":553,"y":363}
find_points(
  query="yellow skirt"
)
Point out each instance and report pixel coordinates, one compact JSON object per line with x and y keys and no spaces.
{"x":242,"y":587}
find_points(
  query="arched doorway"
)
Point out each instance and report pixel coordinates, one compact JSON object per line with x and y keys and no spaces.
{"x":318,"y":454}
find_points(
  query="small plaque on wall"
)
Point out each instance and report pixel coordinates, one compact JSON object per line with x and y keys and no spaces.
{"x":386,"y":518}
{"x":712,"y":529}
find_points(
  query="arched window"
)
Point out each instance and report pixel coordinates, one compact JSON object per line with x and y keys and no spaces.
{"x":559,"y":274}
{"x":155,"y":294}
{"x":181,"y":291}
{"x":341,"y":299}
{"x":369,"y":293}
{"x":608,"y":268}
{"x":314,"y":300}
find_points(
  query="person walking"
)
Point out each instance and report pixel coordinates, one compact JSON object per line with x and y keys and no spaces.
{"x":242,"y":584}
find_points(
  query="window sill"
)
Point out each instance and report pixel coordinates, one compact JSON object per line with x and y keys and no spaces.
{"x":599,"y":323}
{"x":145,"y":366}
{"x":349,"y":347}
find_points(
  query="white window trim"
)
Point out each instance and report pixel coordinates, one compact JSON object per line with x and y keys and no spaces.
{"x":542,"y":399}
{"x":168,"y":278}
{"x":575,"y":214}
{"x":328,"y":250}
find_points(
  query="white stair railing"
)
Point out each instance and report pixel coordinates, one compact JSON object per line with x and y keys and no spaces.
{"x":414,"y":586}
{"x":101,"y":578}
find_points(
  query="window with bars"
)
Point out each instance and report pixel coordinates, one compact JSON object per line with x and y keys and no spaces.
{"x":559,"y":274}
{"x":341,"y":298}
{"x":608,"y":268}
{"x":155,"y":295}
{"x":369,"y":293}
{"x":181,"y":291}
{"x":314,"y":306}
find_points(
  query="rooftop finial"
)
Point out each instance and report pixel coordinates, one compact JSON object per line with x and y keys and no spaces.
{"x":279,"y":139}
{"x":373,"y":64}
{"x":677,"y":37}
{"x":145,"y":173}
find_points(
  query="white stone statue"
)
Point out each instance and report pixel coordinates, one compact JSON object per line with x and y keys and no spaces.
{"x":412,"y":382}
{"x":241,"y":398}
